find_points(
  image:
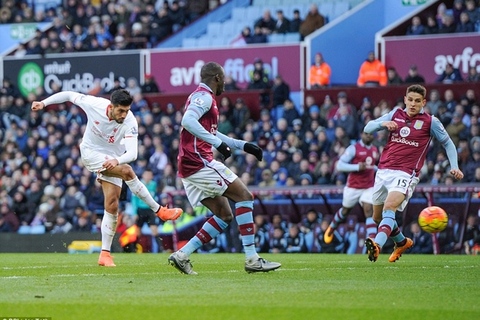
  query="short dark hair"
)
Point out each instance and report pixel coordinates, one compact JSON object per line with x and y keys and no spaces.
{"x":210,"y":70}
{"x":417,"y":88}
{"x":121,"y":97}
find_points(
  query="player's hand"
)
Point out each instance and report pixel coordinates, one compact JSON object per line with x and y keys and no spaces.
{"x":362,"y":166}
{"x":37,"y":105}
{"x":390,"y":125}
{"x":253,"y":149}
{"x":457,"y":174}
{"x":225,"y":150}
{"x":110,"y":164}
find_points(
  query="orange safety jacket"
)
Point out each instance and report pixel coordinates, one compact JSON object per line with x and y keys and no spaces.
{"x":372,"y":72}
{"x":320,"y":75}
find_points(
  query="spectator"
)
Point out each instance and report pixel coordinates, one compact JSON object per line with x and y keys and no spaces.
{"x":416,"y":27}
{"x":456,"y":129}
{"x":230,"y":84}
{"x":465,"y":25}
{"x":472,"y":165}
{"x":261,"y":234}
{"x":83,"y":221}
{"x":471,"y":238}
{"x":457,"y":10}
{"x":447,"y":25}
{"x":280,"y":93}
{"x":62,"y":225}
{"x":473,"y":75}
{"x":473,"y":11}
{"x":296,"y":21}
{"x":434,"y":102}
{"x":196,"y":8}
{"x":313,"y":21}
{"x":161,"y":26}
{"x":295,"y":240}
{"x":258,"y":83}
{"x":21,"y":209}
{"x":320,"y":72}
{"x":393,"y":77}
{"x":422,"y":241}
{"x":372,"y":72}
{"x":72,"y":199}
{"x":132,"y":86}
{"x":266,"y":23}
{"x":240,"y":116}
{"x":258,"y":36}
{"x":150,"y":85}
{"x":8,"y":220}
{"x":450,"y":75}
{"x":288,"y":112}
{"x":244,"y":38}
{"x":432,"y":26}
{"x":413,"y":75}
{"x":177,"y":16}
{"x":282,"y":25}
{"x":336,"y":246}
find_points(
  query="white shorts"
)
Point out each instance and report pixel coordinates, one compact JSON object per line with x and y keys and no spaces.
{"x":351,"y":196}
{"x":209,"y":182}
{"x":387,"y":180}
{"x":93,"y":161}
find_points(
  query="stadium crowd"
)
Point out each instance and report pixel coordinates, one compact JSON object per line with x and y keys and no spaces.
{"x":45,"y":188}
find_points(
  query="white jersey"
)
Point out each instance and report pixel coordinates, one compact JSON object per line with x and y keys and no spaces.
{"x":101,"y":133}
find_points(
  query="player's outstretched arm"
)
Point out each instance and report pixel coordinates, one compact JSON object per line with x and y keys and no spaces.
{"x":58,"y":97}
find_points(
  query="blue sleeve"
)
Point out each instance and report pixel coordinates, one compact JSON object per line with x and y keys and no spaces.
{"x":376,"y":125}
{"x":438,"y":132}
{"x":199,"y":105}
{"x":344,"y":164}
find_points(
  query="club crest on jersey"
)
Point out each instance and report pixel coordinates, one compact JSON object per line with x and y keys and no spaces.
{"x":197,"y":101}
{"x":405,"y":132}
{"x":418,"y":124}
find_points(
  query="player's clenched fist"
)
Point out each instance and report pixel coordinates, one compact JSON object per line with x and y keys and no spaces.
{"x":37,"y":105}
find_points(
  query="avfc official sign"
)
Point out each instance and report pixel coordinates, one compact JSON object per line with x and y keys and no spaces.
{"x":93,"y":73}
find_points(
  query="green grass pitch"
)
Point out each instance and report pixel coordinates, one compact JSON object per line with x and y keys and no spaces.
{"x":308,"y":286}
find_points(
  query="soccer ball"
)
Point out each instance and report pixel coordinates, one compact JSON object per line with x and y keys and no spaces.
{"x":433,"y":219}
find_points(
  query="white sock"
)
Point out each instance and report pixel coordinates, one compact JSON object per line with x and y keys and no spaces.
{"x":141,"y":191}
{"x":109,"y":225}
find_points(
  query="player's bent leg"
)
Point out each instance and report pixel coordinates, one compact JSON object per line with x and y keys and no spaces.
{"x":399,"y":250}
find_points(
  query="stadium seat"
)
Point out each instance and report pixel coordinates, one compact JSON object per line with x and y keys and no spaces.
{"x":203,"y":41}
{"x":228,"y":28}
{"x":253,"y":12}
{"x":276,"y":38}
{"x":291,"y":37}
{"x":214,"y":29}
{"x":238,"y":14}
{"x":189,"y":43}
{"x":340,"y":8}
{"x":326,"y":9}
{"x":37,"y":229}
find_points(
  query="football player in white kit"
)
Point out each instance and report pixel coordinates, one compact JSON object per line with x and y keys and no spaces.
{"x":109,"y":143}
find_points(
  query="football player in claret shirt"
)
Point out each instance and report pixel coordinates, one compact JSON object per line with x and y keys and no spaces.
{"x":410,"y":132}
{"x":210,"y":182}
{"x":109,"y":143}
{"x":359,"y":159}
